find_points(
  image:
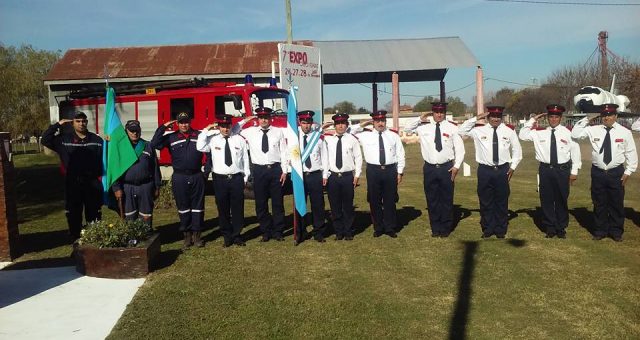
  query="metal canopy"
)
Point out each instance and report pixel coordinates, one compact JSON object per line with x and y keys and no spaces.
{"x":368,"y":61}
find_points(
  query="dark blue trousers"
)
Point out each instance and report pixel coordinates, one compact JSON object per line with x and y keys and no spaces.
{"x":493,"y":193}
{"x":80,"y":194}
{"x":266,"y":184}
{"x":607,"y":194}
{"x":554,"y":193}
{"x":382,"y":194}
{"x":230,"y":203}
{"x":314,"y":190}
{"x":438,"y":189}
{"x":188,"y":191}
{"x":340,"y":192}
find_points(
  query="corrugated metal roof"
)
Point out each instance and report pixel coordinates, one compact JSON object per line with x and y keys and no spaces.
{"x":353,"y":61}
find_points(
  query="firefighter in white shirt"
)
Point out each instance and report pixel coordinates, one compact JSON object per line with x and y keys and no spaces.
{"x":344,"y":166}
{"x":313,"y":168}
{"x":612,"y":146}
{"x":443,"y":152}
{"x":268,"y":152}
{"x":498,"y":153}
{"x":559,"y":158}
{"x":384,"y":154}
{"x":230,"y":160}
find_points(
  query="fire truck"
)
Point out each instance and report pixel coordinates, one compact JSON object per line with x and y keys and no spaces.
{"x":157,"y":104}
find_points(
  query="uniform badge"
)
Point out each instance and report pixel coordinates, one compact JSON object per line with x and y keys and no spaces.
{"x":619,"y":140}
{"x":564,"y":141}
{"x":483,"y":137}
{"x":446,"y":135}
{"x":596,"y":139}
{"x":217,"y":148}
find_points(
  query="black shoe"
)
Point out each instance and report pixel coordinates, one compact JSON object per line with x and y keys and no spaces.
{"x":500,"y":236}
{"x":392,"y":234}
{"x":265,"y":239}
{"x":340,"y":237}
{"x":227,"y":244}
{"x":278,"y":238}
{"x":485,"y":235}
{"x":320,"y":239}
{"x":239,"y":243}
{"x":444,"y":235}
{"x":550,"y":235}
{"x":597,"y":237}
{"x":562,"y":235}
{"x":348,"y":238}
{"x":376,"y":234}
{"x":435,"y":235}
{"x":617,"y":238}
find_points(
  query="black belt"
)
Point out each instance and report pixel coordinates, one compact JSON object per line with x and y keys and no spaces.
{"x":593,"y":167}
{"x":495,"y":167}
{"x":382,"y":167}
{"x":186,"y":172}
{"x":439,"y":165}
{"x":563,"y":166}
{"x":267,"y":166}
{"x":230,"y":176}
{"x":340,"y":174}
{"x":144,"y":181}
{"x":312,"y":172}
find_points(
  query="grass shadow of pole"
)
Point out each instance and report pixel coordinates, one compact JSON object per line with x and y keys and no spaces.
{"x":458,"y":326}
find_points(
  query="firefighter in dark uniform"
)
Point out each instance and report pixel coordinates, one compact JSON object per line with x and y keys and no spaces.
{"x":612,"y":146}
{"x":230,"y":161}
{"x":268,"y":151}
{"x":442,"y":149}
{"x":344,"y":166}
{"x":384,"y":154}
{"x":498,"y":153}
{"x":559,"y":158}
{"x":80,"y":153}
{"x":140,"y":184}
{"x":314,"y":177}
{"x":187,"y":180}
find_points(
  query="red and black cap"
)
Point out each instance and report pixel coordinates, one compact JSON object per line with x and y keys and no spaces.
{"x":183,"y":117}
{"x":379,"y":115}
{"x":340,"y":118}
{"x":555,"y":109}
{"x":223,"y":119}
{"x":263,"y":111}
{"x":439,"y":107}
{"x":609,"y":109}
{"x":306,"y":115}
{"x":495,"y":110}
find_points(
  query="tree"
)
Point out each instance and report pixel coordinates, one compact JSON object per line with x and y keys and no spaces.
{"x":424,"y":104}
{"x":363,"y":110}
{"x":456,"y":106}
{"x":345,"y":107}
{"x":24,"y":104}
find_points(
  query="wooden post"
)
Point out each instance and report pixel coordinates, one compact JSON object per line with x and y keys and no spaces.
{"x":395,"y":100}
{"x":9,"y":237}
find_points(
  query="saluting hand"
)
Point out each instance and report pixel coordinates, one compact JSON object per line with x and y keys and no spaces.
{"x":366,"y":122}
{"x":509,"y":174}
{"x":326,"y":125}
{"x":538,"y":116}
{"x":65,"y":121}
{"x":211,"y":126}
{"x":425,"y":117}
{"x":482,"y":115}
{"x":454,"y":173}
{"x":572,"y":178}
{"x":169,"y":123}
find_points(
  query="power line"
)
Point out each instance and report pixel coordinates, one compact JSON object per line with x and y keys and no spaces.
{"x":420,"y":96}
{"x":572,"y":3}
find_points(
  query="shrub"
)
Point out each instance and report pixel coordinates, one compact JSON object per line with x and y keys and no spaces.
{"x":113,"y":234}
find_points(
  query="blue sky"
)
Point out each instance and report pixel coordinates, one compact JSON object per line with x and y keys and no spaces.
{"x":513,"y":41}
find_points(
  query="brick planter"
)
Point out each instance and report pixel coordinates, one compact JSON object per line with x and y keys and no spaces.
{"x":117,"y":263}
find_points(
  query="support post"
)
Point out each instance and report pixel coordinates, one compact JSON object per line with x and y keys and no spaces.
{"x":374,"y":93}
{"x":9,"y":236}
{"x":395,"y":100}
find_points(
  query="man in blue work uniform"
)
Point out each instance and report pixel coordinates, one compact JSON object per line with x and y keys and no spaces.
{"x":80,"y":152}
{"x":314,"y":170}
{"x":187,"y":180}
{"x":140,"y":184}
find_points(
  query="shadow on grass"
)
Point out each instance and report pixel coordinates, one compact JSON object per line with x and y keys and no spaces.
{"x":584,"y":217}
{"x":460,"y":318}
{"x":43,"y":263}
{"x":536,"y":216}
{"x":633,"y":215}
{"x":32,"y":180}
{"x":459,"y":214}
{"x":37,"y":242}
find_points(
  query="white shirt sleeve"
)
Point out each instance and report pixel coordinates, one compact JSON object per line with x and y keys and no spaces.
{"x":202,"y":144}
{"x":467,"y":127}
{"x":525,"y":133}
{"x":400,"y":153}
{"x":324,"y":158}
{"x":357,"y":157}
{"x":412,"y":125}
{"x":579,"y":130}
{"x":576,"y":158}
{"x":245,"y":158}
{"x":630,"y":155}
{"x":516,"y":150}
{"x":458,"y":149}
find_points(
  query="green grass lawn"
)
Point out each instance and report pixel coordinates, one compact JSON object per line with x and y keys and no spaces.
{"x":412,"y":287}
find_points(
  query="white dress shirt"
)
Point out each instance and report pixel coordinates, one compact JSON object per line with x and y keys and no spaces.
{"x":277,"y":146}
{"x":393,"y":148}
{"x":567,"y":149}
{"x":212,"y":141}
{"x":318,"y":154}
{"x":636,"y":125}
{"x":509,"y":149}
{"x":452,"y":144}
{"x":623,"y":147}
{"x":351,"y":154}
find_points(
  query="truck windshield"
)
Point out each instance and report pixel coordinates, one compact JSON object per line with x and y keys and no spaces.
{"x":273,"y":99}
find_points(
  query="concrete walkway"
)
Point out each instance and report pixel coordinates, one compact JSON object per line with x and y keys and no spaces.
{"x":59,"y":303}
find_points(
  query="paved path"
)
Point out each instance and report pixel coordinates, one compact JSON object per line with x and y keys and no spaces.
{"x":59,"y":303}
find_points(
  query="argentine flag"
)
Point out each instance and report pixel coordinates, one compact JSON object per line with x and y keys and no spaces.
{"x":293,"y":146}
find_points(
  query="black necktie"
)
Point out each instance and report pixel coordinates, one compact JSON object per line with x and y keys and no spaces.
{"x":553,"y":152}
{"x":307,"y":162}
{"x":496,"y":159}
{"x":339,"y":153}
{"x":383,"y":159}
{"x":438,"y":138}
{"x":227,"y":152}
{"x":265,"y":141}
{"x":606,"y":147}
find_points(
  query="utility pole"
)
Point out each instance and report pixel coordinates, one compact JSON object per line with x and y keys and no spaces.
{"x":287,"y":4}
{"x":604,"y":62}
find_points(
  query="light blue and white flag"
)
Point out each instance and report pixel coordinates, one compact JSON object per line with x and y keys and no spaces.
{"x":293,"y":146}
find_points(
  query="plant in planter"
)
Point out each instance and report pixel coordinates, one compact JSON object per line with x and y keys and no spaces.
{"x":116,"y":249}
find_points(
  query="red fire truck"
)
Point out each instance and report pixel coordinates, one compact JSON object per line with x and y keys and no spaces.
{"x":155,"y":105}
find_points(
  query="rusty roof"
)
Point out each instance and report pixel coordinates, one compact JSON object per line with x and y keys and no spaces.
{"x":133,"y":62}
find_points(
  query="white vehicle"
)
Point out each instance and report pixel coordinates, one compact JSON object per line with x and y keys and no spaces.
{"x":590,"y":99}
